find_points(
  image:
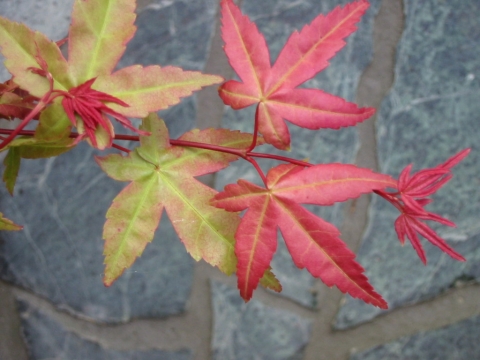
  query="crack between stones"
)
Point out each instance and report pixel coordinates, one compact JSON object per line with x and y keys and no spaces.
{"x":375,"y":82}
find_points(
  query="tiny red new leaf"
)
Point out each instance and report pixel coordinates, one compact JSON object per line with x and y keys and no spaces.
{"x":411,"y":199}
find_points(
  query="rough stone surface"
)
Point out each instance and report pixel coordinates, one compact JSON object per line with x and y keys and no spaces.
{"x":62,"y":202}
{"x":277,"y":19}
{"x":254,"y":331}
{"x":456,"y":342}
{"x":47,"y":339}
{"x":430,"y":114}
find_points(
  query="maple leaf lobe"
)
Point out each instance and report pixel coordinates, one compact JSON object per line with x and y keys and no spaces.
{"x":273,"y":89}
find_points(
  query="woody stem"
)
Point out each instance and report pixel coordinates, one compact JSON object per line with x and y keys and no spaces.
{"x":243,"y":153}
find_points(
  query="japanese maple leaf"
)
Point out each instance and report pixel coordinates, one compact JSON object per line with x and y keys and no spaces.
{"x":273,"y":89}
{"x":6,"y":224}
{"x":162,"y":176}
{"x":411,"y":199}
{"x":92,"y":91}
{"x":313,"y":243}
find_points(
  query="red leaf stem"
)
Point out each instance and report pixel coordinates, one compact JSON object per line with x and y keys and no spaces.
{"x":247,"y":155}
{"x":280,"y":158}
{"x":121,"y":148}
{"x":259,"y":170}
{"x":255,"y":133}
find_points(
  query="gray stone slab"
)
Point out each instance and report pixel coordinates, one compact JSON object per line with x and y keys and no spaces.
{"x":277,"y":19}
{"x":47,"y":339}
{"x":455,"y":342}
{"x":430,"y":114}
{"x":254,"y":331}
{"x":51,"y":17}
{"x":62,"y":204}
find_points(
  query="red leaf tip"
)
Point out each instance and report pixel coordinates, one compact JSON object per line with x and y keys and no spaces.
{"x":411,"y":199}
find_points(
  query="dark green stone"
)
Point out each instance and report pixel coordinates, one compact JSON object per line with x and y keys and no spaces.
{"x":455,"y":342}
{"x":431,"y":113}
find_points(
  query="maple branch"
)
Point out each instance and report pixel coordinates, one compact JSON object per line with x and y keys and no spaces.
{"x":255,"y":132}
{"x":239,"y":152}
{"x":259,"y":170}
{"x":390,"y":197}
{"x":121,"y":148}
{"x":280,"y":158}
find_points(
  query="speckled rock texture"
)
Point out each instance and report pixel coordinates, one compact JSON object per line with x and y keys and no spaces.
{"x":47,"y":339}
{"x":431,"y":113}
{"x":277,"y":19}
{"x":455,"y":342}
{"x":254,"y":331}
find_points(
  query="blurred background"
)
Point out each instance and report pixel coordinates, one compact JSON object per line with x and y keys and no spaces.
{"x":417,"y":62}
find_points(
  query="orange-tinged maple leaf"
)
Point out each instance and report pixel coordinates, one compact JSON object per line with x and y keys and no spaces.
{"x":313,"y":243}
{"x":161,"y":177}
{"x":273,"y":89}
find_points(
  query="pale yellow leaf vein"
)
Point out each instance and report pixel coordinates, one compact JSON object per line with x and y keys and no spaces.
{"x":197,"y":212}
{"x":255,"y":242}
{"x":307,"y":233}
{"x":247,"y":54}
{"x":131,"y":224}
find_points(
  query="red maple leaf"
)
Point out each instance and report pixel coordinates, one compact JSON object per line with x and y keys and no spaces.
{"x":313,"y":243}
{"x":273,"y":88}
{"x":411,"y":199}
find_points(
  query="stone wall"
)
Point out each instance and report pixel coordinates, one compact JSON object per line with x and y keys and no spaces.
{"x":416,"y":61}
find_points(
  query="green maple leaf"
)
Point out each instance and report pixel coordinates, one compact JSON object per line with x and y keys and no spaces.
{"x":98,"y":35}
{"x":162,"y":176}
{"x":9,"y":225}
